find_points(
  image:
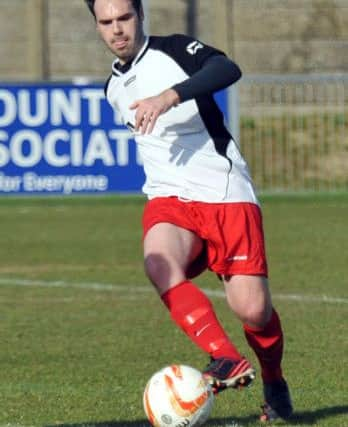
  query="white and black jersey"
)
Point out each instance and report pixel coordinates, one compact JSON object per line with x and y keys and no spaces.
{"x":190,"y":153}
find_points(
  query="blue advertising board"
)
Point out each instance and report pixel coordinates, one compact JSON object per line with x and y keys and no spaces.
{"x":65,"y":139}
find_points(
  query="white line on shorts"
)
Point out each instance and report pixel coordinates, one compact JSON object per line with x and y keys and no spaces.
{"x":148,"y":289}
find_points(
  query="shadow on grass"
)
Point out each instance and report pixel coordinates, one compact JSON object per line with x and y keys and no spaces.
{"x":305,"y":417}
{"x":312,"y":417}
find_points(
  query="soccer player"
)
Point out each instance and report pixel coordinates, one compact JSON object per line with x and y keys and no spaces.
{"x":202,"y":211}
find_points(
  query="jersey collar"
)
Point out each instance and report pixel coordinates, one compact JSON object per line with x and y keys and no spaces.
{"x":116,"y":64}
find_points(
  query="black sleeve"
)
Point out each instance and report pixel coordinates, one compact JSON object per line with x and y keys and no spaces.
{"x":208,"y":68}
{"x":217,"y":72}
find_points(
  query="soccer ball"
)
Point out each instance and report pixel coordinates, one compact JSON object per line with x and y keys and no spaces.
{"x":178,"y":396}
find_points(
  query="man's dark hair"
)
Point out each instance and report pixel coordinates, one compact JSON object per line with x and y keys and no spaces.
{"x":136,"y":4}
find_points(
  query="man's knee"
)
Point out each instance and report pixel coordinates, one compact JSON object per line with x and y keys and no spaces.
{"x":256,"y":315}
{"x":156,"y":267}
{"x":163,"y":271}
{"x":249,"y":298}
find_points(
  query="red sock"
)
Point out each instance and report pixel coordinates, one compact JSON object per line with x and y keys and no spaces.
{"x":192,"y":311}
{"x":267,"y":343}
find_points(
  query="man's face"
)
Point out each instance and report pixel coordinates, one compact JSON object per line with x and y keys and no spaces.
{"x":120,"y":27}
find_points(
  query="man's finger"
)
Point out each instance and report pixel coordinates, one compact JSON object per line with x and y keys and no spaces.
{"x":145,"y":122}
{"x":152,"y":122}
{"x":137,"y":124}
{"x":135,"y":105}
{"x":139,"y":117}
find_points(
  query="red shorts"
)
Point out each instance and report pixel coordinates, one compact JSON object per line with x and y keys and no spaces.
{"x":232,"y":232}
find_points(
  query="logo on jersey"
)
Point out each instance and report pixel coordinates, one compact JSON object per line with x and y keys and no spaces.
{"x":193,"y":47}
{"x":130,"y":81}
{"x":238,"y":258}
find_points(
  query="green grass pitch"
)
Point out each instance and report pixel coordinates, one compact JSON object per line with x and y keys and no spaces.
{"x":82,"y":330}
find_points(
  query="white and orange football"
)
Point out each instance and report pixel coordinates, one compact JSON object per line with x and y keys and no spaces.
{"x":178,"y":396}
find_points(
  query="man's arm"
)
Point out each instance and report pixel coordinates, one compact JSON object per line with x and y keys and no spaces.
{"x":217,"y":72}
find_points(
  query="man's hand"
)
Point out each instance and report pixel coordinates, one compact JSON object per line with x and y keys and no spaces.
{"x":148,"y":109}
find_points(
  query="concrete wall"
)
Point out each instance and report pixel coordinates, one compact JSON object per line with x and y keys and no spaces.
{"x":13,"y":52}
{"x":263,"y":36}
{"x":291,"y":36}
